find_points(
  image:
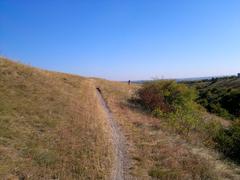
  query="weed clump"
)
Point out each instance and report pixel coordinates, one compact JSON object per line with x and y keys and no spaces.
{"x":163,"y":174}
{"x":45,"y":157}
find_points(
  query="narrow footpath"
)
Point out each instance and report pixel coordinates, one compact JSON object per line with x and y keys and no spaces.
{"x":121,"y":161}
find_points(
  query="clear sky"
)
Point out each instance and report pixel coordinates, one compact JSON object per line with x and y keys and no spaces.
{"x":124,"y":39}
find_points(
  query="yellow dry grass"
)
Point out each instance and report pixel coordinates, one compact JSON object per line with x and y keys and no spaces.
{"x":51,"y":126}
{"x":157,"y":151}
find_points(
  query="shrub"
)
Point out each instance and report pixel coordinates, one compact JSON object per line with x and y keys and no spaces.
{"x":228,"y":141}
{"x":184,"y":120}
{"x":173,"y":101}
{"x":166,"y":96}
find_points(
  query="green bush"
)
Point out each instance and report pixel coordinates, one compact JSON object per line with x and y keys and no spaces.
{"x":166,"y":96}
{"x":184,"y":120}
{"x":228,"y":141}
{"x":172,"y":101}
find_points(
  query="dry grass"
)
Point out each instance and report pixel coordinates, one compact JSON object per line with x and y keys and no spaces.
{"x":51,"y":126}
{"x":157,"y":152}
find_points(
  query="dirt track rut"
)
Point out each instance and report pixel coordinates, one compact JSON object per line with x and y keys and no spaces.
{"x":121,"y":162}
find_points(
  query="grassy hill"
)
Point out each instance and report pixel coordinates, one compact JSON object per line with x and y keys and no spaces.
{"x":51,"y":126}
{"x":224,"y":82}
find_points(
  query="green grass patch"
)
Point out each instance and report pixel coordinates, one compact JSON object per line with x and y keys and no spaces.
{"x":161,"y":173}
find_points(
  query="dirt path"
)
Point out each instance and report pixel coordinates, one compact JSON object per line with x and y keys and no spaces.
{"x":121,"y":162}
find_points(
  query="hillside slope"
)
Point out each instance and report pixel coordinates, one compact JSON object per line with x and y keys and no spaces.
{"x":224,"y":82}
{"x":51,"y":126}
{"x":220,"y":96}
{"x":156,"y":150}
{"x":56,"y":126}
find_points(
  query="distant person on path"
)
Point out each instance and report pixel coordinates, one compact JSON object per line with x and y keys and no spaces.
{"x":129,"y":82}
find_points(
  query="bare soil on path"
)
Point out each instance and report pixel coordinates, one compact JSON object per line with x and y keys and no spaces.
{"x":121,"y":162}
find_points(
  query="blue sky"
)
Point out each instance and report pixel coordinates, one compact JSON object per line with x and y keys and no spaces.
{"x":124,"y":39}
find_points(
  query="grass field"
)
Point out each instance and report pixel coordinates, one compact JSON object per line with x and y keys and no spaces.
{"x":51,"y":126}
